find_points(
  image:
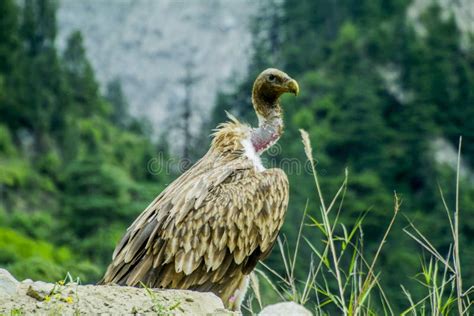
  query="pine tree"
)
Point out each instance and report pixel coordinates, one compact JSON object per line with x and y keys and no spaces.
{"x":10,"y":58}
{"x":41,"y":71}
{"x":82,"y":87}
{"x":187,"y":114}
{"x":116,"y":97}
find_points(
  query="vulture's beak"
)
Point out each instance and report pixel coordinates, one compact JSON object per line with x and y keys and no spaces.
{"x":293,"y":87}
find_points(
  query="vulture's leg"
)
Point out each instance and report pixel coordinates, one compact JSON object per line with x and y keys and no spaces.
{"x":235,"y":301}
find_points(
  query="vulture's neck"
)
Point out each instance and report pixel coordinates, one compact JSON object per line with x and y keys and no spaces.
{"x":270,"y":126}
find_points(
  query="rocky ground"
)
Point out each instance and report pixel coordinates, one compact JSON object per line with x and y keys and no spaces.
{"x":29,"y":297}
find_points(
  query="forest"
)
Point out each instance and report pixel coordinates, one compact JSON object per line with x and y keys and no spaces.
{"x":378,"y":96}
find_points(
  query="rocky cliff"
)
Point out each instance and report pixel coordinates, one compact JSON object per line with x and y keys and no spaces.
{"x":147,"y":45}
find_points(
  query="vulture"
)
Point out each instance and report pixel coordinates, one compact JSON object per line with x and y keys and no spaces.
{"x":209,"y":228}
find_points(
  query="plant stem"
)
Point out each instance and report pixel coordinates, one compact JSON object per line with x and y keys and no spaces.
{"x":457,"y":264}
{"x":324,"y":212}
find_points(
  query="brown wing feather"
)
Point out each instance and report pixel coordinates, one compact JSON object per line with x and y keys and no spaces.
{"x":210,"y":226}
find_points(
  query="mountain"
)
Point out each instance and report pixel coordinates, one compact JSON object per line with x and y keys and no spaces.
{"x":147,"y":45}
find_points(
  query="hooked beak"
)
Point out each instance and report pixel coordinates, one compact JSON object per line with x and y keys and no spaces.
{"x":293,"y":87}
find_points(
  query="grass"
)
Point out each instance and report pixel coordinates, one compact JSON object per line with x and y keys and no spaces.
{"x":59,"y":295}
{"x":158,"y":305}
{"x":441,"y":275}
{"x":16,"y":312}
{"x":341,"y":280}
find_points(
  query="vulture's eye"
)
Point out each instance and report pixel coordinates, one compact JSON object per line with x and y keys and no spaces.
{"x":271,"y":78}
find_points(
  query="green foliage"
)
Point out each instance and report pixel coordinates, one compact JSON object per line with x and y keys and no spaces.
{"x":117,"y":98}
{"x":36,"y":259}
{"x":23,"y":247}
{"x":73,"y":164}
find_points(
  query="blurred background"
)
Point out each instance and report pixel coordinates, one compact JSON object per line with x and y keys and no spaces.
{"x":101,"y":100}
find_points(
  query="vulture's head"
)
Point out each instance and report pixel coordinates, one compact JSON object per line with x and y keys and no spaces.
{"x":268,"y":87}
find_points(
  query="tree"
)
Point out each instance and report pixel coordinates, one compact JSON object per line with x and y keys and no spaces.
{"x":116,"y":97}
{"x":186,"y":116}
{"x":83,"y":89}
{"x":41,"y":72}
{"x":9,"y":40}
{"x":9,"y":57}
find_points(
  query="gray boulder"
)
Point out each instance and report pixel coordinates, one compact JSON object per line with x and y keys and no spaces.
{"x":285,"y":309}
{"x":8,"y":284}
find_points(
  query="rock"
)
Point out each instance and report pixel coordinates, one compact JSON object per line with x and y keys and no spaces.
{"x":8,"y":284}
{"x":284,"y":309}
{"x":42,"y":288}
{"x":70,"y":299}
{"x":34,"y":294}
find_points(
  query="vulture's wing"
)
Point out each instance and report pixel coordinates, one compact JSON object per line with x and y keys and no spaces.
{"x":212,"y":222}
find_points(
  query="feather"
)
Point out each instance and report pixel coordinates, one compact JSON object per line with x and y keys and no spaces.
{"x":159,"y":256}
{"x":239,"y":255}
{"x":190,"y":262}
{"x":140,"y":270}
{"x":137,"y":242}
{"x":223,"y":269}
{"x":171,"y":249}
{"x":121,"y":245}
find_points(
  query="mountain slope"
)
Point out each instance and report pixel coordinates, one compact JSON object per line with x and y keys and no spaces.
{"x":147,"y":44}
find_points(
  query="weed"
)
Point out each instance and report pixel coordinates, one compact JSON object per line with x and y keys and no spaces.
{"x":159,"y":307}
